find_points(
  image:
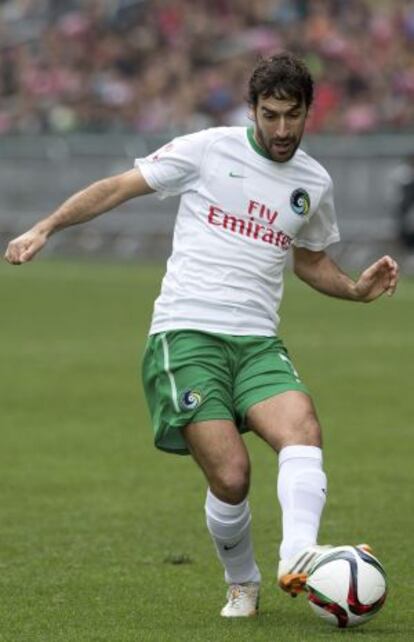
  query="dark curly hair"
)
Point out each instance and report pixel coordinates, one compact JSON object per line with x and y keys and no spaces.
{"x":283,"y":75}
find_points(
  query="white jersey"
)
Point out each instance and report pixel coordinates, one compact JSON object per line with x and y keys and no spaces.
{"x":239,"y":213}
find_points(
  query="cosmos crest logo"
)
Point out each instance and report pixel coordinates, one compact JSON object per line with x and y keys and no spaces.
{"x":190,"y":399}
{"x":300,"y":202}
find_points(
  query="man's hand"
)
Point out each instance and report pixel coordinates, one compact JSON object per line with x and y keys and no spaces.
{"x":24,"y":247}
{"x":381,"y":277}
{"x":322,"y":273}
{"x":95,"y":199}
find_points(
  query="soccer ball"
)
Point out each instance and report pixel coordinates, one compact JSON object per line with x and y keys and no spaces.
{"x":346,"y":586}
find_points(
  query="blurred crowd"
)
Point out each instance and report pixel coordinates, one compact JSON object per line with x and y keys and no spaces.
{"x":178,"y":65}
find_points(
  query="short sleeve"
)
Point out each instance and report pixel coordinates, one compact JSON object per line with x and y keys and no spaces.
{"x":322,"y":228}
{"x":174,"y":168}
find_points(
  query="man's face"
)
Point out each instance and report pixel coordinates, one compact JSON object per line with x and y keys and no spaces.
{"x":279,"y":125}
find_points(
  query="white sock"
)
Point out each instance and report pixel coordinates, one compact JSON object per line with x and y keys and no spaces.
{"x":301,"y":488}
{"x":229,"y":526}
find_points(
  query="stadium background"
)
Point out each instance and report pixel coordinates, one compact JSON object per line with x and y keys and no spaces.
{"x":86,"y":86}
{"x":102,"y":539}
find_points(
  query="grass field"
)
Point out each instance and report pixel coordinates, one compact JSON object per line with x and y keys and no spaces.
{"x":103,"y":537}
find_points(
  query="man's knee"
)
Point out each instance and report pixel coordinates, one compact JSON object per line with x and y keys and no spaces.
{"x":308,"y":431}
{"x":285,"y":420}
{"x":305,"y":430}
{"x":231,"y":484}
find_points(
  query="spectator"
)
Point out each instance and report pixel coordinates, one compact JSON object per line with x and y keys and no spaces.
{"x":166,"y":65}
{"x":404,"y":183}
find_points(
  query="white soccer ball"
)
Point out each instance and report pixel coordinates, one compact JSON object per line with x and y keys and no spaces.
{"x":346,"y":586}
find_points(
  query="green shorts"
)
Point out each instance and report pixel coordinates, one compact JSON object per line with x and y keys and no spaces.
{"x":193,"y":376}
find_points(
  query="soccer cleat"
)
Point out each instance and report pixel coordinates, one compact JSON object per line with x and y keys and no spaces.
{"x":293,"y":573}
{"x":242,"y":600}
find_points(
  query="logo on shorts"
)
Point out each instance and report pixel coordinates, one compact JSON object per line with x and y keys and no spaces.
{"x":300,"y":201}
{"x":190,"y":399}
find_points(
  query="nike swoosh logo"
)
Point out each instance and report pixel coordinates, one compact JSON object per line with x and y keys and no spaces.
{"x":234,"y":175}
{"x":228,"y":547}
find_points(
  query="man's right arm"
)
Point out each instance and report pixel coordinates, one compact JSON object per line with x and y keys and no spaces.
{"x":95,"y":199}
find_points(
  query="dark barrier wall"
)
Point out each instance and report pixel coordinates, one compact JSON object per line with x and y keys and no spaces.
{"x":37,"y":173}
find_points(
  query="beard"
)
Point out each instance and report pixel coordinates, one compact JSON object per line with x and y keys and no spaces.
{"x":280,"y":150}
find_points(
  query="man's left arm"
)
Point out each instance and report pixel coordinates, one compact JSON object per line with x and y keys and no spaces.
{"x":319,"y":271}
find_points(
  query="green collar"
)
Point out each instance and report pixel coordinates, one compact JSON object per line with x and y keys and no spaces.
{"x":255,"y":145}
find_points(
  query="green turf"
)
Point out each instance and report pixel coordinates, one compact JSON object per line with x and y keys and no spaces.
{"x":94,"y":522}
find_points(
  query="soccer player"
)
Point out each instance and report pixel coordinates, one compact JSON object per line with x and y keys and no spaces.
{"x":214,"y":365}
